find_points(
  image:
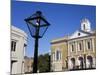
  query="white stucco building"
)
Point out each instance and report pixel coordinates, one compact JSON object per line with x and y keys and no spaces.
{"x":82,"y":47}
{"x":18,"y":46}
{"x":76,"y":51}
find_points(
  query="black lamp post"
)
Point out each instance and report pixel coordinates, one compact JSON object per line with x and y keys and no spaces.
{"x":37,"y":26}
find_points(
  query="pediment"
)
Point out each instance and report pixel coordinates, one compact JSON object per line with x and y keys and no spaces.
{"x":79,"y":33}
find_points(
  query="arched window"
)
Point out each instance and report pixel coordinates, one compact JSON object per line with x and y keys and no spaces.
{"x":58,"y":55}
{"x":80,"y":46}
{"x":84,"y":26}
{"x":72,"y":47}
{"x":90,"y":60}
{"x":88,"y":45}
{"x":81,"y":62}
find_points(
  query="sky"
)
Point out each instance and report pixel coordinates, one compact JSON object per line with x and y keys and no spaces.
{"x":64,"y":19}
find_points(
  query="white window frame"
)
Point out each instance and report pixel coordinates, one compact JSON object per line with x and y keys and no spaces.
{"x":90,"y":41}
{"x":72,"y":43}
{"x":80,"y":42}
{"x":13,"y":45}
{"x":59,"y":55}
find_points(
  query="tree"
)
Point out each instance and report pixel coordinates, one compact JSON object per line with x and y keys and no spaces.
{"x":44,"y":63}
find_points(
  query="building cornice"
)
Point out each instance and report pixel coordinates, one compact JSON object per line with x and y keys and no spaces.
{"x":59,"y":40}
{"x":18,"y":32}
{"x":82,"y":37}
{"x":65,"y":39}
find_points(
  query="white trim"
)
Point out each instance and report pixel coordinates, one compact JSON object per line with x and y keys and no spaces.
{"x":89,"y":40}
{"x":82,"y":45}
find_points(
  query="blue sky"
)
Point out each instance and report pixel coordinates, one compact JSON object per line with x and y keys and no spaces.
{"x":64,"y":20}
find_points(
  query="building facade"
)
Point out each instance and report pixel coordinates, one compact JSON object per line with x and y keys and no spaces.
{"x":58,"y":54}
{"x":76,"y":51}
{"x":28,"y":65}
{"x":18,"y":47}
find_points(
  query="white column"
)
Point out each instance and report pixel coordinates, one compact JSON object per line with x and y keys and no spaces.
{"x":87,"y":63}
{"x":94,"y":62}
{"x":76,"y":45}
{"x":78,"y":62}
{"x":55,"y":55}
{"x":60,"y":55}
{"x":84,"y":47}
{"x":69,"y":49}
{"x":93,"y":44}
{"x":70,"y":65}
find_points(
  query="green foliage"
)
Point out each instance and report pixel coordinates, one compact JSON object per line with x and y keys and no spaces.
{"x":44,"y":63}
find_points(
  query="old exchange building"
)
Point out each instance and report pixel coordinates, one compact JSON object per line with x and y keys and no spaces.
{"x":76,"y":51}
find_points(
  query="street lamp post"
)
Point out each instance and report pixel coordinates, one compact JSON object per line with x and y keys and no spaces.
{"x":37,"y":26}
